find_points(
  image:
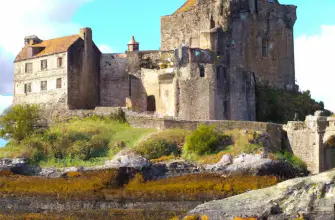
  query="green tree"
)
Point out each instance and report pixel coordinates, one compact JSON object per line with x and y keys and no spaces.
{"x":18,"y":122}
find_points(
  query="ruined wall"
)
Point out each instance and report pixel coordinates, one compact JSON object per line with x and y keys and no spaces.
{"x":114,"y":80}
{"x":51,"y":98}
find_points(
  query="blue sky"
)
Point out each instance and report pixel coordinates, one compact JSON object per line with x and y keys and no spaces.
{"x":114,"y":22}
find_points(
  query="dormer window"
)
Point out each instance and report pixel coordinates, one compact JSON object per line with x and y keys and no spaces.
{"x":44,"y":64}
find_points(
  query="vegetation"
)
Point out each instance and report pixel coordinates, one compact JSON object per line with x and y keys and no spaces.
{"x":153,"y":149}
{"x":280,"y":105}
{"x":189,"y":187}
{"x":19,"y":122}
{"x":119,"y":214}
{"x":88,"y":141}
{"x":295,"y":161}
{"x":203,"y":140}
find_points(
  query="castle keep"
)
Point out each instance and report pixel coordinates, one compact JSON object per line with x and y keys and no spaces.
{"x":213,"y":54}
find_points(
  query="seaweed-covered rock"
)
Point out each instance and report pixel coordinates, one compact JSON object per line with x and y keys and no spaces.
{"x":311,"y":197}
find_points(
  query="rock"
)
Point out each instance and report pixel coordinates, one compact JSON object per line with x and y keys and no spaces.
{"x":19,"y":166}
{"x":128,"y":160}
{"x":226,"y":159}
{"x":312,"y":197}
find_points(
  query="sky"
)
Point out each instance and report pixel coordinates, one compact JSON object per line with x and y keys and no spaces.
{"x":114,"y":22}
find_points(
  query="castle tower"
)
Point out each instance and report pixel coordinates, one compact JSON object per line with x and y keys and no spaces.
{"x":133,"y":45}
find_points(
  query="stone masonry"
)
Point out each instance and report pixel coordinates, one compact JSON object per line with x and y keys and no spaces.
{"x":213,"y":54}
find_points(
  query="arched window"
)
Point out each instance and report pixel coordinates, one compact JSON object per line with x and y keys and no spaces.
{"x":212,"y":25}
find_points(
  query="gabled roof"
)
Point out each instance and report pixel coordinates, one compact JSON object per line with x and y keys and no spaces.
{"x":189,"y":4}
{"x":52,"y":46}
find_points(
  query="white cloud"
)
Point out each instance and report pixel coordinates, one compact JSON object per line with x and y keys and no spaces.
{"x":105,"y":48}
{"x":314,"y":61}
{"x":5,"y":102}
{"x":20,"y":18}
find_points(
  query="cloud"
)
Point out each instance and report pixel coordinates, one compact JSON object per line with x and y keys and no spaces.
{"x":20,"y":18}
{"x":314,"y":62}
{"x":5,"y":102}
{"x":105,"y":48}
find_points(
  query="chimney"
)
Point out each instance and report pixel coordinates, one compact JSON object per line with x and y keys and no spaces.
{"x":31,"y":40}
{"x":133,"y":45}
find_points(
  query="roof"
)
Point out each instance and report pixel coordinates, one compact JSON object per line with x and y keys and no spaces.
{"x":53,"y":46}
{"x":189,"y":4}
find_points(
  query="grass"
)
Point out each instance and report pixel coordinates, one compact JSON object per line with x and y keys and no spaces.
{"x":84,"y":142}
{"x":295,"y":161}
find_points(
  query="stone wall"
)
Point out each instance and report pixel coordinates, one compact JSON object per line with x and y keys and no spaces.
{"x":52,"y":96}
{"x":114,"y":80}
{"x":309,"y":140}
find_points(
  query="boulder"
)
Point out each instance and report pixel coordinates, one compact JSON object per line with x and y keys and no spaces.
{"x":128,"y":159}
{"x":311,"y":197}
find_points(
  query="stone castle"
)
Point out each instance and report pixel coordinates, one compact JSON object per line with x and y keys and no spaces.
{"x":213,"y":54}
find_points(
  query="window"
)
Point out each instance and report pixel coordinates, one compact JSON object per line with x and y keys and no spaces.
{"x":265,"y":48}
{"x":27,"y":88}
{"x":58,"y":83}
{"x":44,"y":64}
{"x":129,"y":79}
{"x":43,"y":85}
{"x":212,"y":23}
{"x":59,"y":62}
{"x":29,"y":67}
{"x":202,"y":71}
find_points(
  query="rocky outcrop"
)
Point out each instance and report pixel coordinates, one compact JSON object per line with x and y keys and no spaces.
{"x":18,"y":166}
{"x":312,"y":197}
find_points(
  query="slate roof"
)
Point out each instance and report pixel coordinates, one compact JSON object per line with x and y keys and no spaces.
{"x":52,"y":46}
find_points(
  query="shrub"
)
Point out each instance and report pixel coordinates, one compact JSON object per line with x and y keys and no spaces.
{"x":19,"y":121}
{"x":203,"y":140}
{"x":295,"y":161}
{"x":153,"y":149}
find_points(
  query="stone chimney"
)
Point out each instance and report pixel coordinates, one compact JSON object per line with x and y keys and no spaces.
{"x":133,"y":45}
{"x":31,"y":40}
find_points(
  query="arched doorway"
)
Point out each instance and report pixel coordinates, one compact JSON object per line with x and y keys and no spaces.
{"x":151,"y":103}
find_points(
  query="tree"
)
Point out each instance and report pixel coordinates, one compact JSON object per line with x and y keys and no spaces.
{"x":19,"y":121}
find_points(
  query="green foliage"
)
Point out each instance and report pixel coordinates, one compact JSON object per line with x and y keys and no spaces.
{"x":86,"y":141}
{"x":280,"y":105}
{"x":202,"y":141}
{"x":295,"y":161}
{"x":153,"y":148}
{"x":19,"y":122}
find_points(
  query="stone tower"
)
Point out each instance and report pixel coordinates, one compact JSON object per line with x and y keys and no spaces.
{"x":133,"y":45}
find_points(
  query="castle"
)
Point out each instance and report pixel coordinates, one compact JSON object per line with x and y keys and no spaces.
{"x":213,"y":54}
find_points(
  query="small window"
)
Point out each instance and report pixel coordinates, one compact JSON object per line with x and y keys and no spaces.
{"x":59,"y":62}
{"x":212,"y":23}
{"x":43,"y":85}
{"x":129,"y":79}
{"x":59,"y":83}
{"x":27,"y":88}
{"x":44,"y":64}
{"x":202,"y":71}
{"x":265,"y":48}
{"x":29,"y":67}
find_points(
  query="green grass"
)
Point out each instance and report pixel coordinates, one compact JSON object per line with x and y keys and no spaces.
{"x":84,"y":142}
{"x":295,"y":161}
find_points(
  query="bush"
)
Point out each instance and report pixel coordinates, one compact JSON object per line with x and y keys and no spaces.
{"x":153,"y":149}
{"x":295,"y":161}
{"x":19,"y":121}
{"x":202,"y":141}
